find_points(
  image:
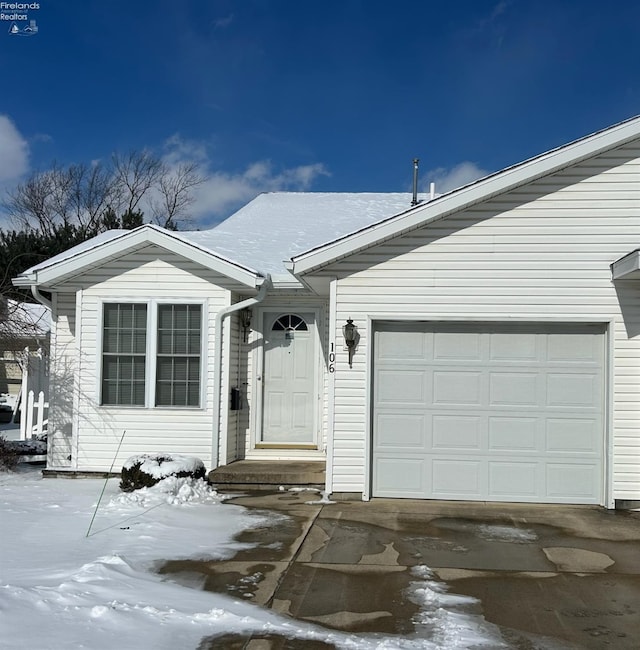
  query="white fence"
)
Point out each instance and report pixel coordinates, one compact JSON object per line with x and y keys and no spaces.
{"x":34,"y":416}
{"x":32,"y":401}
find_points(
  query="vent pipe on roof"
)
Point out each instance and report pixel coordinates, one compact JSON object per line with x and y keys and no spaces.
{"x":414,"y":200}
{"x":432,"y":191}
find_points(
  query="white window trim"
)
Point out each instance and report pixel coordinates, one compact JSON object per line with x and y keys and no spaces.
{"x":151,"y":348}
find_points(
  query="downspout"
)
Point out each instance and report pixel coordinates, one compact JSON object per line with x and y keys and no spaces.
{"x":217,"y":369}
{"x":35,"y":292}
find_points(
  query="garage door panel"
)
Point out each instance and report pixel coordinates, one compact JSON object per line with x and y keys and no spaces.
{"x":455,"y":345}
{"x":402,"y":477}
{"x":456,"y":432}
{"x":489,"y":411}
{"x":573,"y":390}
{"x":569,"y":479}
{"x":401,"y":431}
{"x":579,"y":348}
{"x":513,"y":389}
{"x":409,"y":346}
{"x":516,"y":480}
{"x":574,"y":435}
{"x":513,"y":347}
{"x":514,"y":434}
{"x":457,"y":387}
{"x":452,"y":477}
{"x":401,"y":387}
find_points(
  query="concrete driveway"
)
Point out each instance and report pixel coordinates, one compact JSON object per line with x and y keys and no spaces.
{"x":541,"y":576}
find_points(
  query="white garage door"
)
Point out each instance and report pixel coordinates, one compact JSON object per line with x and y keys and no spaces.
{"x":489,"y":412}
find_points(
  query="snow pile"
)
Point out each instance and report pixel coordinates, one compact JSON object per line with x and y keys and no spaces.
{"x":32,"y":446}
{"x":162,"y":465}
{"x":173,"y":491}
{"x":450,"y":620}
{"x":322,"y":501}
{"x":506,"y":533}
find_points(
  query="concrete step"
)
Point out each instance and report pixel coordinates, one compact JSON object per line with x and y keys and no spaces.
{"x":257,"y":474}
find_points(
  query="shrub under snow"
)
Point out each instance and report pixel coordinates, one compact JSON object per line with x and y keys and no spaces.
{"x":145,"y":470}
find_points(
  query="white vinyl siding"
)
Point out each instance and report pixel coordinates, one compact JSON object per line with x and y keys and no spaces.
{"x":236,"y":363}
{"x":538,"y":253}
{"x":63,"y":365}
{"x":151,"y":274}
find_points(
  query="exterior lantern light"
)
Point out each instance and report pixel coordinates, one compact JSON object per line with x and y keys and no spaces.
{"x":245,"y":321}
{"x":350,"y":333}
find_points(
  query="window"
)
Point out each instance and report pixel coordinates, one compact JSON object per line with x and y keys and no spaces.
{"x":288,"y":323}
{"x":178,"y":362}
{"x":124,"y":345}
{"x":175,"y":333}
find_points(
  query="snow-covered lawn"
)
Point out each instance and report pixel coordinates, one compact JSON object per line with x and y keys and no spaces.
{"x":60,"y":588}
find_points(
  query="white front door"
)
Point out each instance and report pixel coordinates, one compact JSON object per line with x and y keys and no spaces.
{"x":289,"y":380}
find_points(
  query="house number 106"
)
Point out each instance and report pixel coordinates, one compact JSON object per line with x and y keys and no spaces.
{"x":332,"y":359}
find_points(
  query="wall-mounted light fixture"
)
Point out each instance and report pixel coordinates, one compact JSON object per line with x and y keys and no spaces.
{"x":350,"y":333}
{"x":245,"y":321}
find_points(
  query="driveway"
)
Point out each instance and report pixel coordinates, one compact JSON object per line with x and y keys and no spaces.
{"x":533,"y":576}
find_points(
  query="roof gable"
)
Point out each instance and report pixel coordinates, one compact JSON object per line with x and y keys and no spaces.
{"x":115,"y":244}
{"x":468,"y":195}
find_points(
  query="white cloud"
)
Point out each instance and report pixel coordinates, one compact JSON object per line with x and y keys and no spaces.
{"x":454,"y":177}
{"x":221,"y":23}
{"x":14,"y":152}
{"x":222,"y":192}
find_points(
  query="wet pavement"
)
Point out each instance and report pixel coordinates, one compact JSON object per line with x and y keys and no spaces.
{"x":549,"y":577}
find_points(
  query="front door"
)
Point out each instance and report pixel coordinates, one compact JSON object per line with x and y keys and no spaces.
{"x":289,"y":380}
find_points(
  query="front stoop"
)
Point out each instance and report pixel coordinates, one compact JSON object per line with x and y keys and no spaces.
{"x":268,"y":475}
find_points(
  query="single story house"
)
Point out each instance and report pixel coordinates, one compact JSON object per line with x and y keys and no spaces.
{"x":480,"y":345}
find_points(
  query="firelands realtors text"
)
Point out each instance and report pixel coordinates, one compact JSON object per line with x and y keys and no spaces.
{"x":16,"y":6}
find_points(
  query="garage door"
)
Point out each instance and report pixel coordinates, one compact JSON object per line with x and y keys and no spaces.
{"x":488,"y":412}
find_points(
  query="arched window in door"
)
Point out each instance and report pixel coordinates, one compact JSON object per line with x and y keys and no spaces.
{"x":289,"y":323}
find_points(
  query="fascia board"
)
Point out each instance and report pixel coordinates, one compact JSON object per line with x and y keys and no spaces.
{"x":134,"y":239}
{"x":627,"y":266}
{"x":503,"y":181}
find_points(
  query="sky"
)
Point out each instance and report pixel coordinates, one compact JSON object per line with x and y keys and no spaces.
{"x":307,"y":95}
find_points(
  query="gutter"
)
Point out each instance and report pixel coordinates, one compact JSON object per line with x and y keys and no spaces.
{"x":35,"y":292}
{"x":217,"y":369}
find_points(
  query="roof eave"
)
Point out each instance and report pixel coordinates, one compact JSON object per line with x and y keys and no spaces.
{"x":141,"y":236}
{"x":464,"y":197}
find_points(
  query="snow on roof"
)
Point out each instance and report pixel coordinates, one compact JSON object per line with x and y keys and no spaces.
{"x":275,"y":227}
{"x":77,"y":249}
{"x":278,"y":225}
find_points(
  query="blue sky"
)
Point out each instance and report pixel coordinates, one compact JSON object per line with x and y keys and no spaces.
{"x":331,"y":95}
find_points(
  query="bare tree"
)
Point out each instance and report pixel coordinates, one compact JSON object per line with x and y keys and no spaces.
{"x":135,"y":175}
{"x":175,"y":194}
{"x":21,"y":324}
{"x":95,"y":197}
{"x":77,"y":195}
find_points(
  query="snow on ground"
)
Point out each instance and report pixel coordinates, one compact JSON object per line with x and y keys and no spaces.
{"x":69,"y":581}
{"x":506,"y":534}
